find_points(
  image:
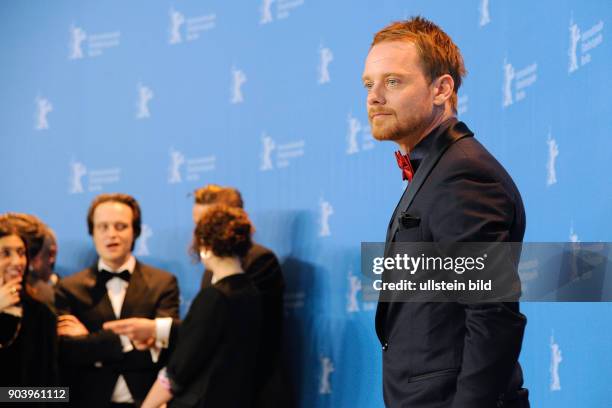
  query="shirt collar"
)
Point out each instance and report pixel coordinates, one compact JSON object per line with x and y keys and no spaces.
{"x":129,"y":265}
{"x":422,"y":148}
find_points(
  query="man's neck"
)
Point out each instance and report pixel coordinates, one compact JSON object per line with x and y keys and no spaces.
{"x":408,"y":143}
{"x":116,"y":265}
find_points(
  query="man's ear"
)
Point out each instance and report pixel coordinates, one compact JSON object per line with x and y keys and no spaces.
{"x":443,"y":89}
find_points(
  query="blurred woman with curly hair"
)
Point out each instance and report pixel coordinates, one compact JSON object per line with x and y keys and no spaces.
{"x":213,"y":364}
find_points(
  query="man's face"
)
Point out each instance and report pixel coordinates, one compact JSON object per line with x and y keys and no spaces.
{"x":400,"y":97}
{"x":197,"y":211}
{"x":12,"y":258}
{"x":112,"y":232}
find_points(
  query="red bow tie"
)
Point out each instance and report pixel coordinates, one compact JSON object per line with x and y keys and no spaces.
{"x":403,"y":161}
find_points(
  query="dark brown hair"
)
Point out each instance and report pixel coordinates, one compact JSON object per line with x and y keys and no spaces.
{"x":215,"y":194}
{"x":225,"y":230}
{"x":117,"y":198}
{"x":29,"y":228}
{"x":439,"y":54}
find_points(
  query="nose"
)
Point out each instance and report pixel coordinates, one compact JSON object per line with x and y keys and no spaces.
{"x":376,"y":95}
{"x":17,"y":259}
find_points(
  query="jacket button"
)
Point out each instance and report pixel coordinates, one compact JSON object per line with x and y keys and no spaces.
{"x":385,"y":346}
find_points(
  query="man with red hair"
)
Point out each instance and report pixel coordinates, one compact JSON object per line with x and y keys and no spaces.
{"x":442,"y":354}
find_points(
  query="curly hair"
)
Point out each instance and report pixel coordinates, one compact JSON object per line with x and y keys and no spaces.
{"x":225,"y":230}
{"x":439,"y":54}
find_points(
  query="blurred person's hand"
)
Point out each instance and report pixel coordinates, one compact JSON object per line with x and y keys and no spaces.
{"x":139,"y":330}
{"x":69,"y":325}
{"x":10,"y":293}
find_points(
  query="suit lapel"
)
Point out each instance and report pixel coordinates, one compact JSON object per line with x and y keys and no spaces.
{"x":136,"y":291}
{"x":442,"y":141}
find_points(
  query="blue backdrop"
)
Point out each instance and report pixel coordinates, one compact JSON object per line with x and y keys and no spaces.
{"x":157,"y":98}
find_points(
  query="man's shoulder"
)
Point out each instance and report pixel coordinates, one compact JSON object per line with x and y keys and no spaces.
{"x":257,"y":255}
{"x":154,"y":272}
{"x":78,"y":279}
{"x":258,"y":250}
{"x":469,"y":157}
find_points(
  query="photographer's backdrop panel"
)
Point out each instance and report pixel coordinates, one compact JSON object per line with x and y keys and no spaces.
{"x":158,"y":98}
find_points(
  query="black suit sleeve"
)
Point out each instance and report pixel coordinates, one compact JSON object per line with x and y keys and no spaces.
{"x":473,"y":207}
{"x":199,"y":336}
{"x":168,"y":304}
{"x":265,"y":272}
{"x":103,"y":346}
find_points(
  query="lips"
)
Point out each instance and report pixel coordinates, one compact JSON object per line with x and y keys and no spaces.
{"x":375,"y":115}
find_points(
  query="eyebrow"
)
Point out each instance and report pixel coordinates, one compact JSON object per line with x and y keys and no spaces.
{"x":388,"y":74}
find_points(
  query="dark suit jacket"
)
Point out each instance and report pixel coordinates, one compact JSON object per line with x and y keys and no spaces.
{"x":439,"y":355}
{"x":91,"y":364}
{"x":261,"y":265}
{"x":213,"y":364}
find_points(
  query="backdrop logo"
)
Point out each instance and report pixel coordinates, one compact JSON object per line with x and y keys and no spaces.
{"x":325,"y":211}
{"x":142,"y":247}
{"x":573,"y":237}
{"x":285,"y":153}
{"x":516,"y":82}
{"x":294,"y":300}
{"x":325,"y":58}
{"x":553,"y":153}
{"x":77,"y":36}
{"x":177,"y":19}
{"x":283,"y":9}
{"x":485,"y":17}
{"x":77,"y":171}
{"x":462,"y":104}
{"x":266,"y":12}
{"x":354,"y":127}
{"x":573,"y":48}
{"x":96,"y":179}
{"x":507,"y":88}
{"x":327,"y":367}
{"x":238,"y":79}
{"x":174,"y":170}
{"x":354,"y":287}
{"x":358,"y":137}
{"x":267,"y":146}
{"x":194,"y":166}
{"x":43,"y":108}
{"x":145,"y":94}
{"x":582,"y":43}
{"x":188,"y":28}
{"x":96,"y":43}
{"x":555,"y":361}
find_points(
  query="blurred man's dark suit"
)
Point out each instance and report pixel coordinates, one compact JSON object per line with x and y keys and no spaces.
{"x":91,"y":364}
{"x":443,"y":355}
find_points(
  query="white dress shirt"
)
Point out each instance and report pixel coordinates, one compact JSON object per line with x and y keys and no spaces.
{"x":116,"y":289}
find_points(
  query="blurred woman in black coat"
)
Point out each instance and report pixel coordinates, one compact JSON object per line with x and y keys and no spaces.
{"x":28,"y":348}
{"x":213,"y":364}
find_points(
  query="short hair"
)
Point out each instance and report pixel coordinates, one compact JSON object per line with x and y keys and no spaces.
{"x":117,"y":198}
{"x":215,"y":194}
{"x":439,"y":54}
{"x":29,"y":228}
{"x":225,"y":230}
